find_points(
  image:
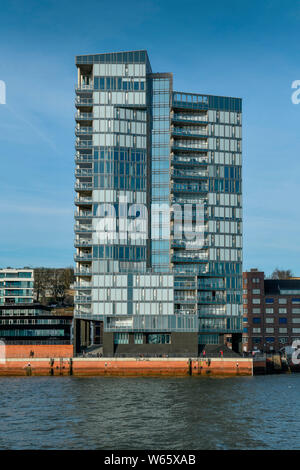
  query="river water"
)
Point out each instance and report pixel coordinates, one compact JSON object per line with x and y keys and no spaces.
{"x":150,"y":413}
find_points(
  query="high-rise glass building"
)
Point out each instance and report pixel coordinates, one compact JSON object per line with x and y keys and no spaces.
{"x":158,"y":220}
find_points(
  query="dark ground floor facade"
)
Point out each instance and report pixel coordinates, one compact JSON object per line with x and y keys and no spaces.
{"x":171,"y":344}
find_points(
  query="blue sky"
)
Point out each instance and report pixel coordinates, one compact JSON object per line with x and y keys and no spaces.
{"x":248,"y":49}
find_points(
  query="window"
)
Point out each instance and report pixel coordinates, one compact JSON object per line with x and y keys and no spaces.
{"x":282,"y":310}
{"x":296,"y":301}
{"x":270,"y":340}
{"x":295,"y":310}
{"x":158,"y":339}
{"x":256,"y":320}
{"x":282,"y":330}
{"x":269,"y":330}
{"x":282,"y":301}
{"x":283,"y":340}
{"x":255,"y":291}
{"x":269,"y":310}
{"x":256,"y":330}
{"x":121,"y":338}
{"x":138,"y":338}
{"x":256,"y":301}
{"x":269,"y":301}
{"x":256,"y":310}
{"x":296,"y":330}
{"x":282,"y":321}
{"x":256,"y":340}
{"x":270,"y":320}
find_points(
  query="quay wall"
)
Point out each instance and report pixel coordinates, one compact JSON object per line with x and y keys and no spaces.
{"x":126,"y":367}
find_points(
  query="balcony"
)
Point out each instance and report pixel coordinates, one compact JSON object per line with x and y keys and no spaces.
{"x":83,"y":228}
{"x":83,"y":200}
{"x":189,"y":257}
{"x":82,"y":312}
{"x":190,"y":118}
{"x":83,"y":186}
{"x":83,"y":116}
{"x":185,"y":300}
{"x":83,"y":299}
{"x":83,"y":144}
{"x":83,"y":101}
{"x":83,"y":272}
{"x":83,"y":242}
{"x":81,"y":130}
{"x":189,"y":160}
{"x":189,"y":245}
{"x":83,"y":215}
{"x":207,"y":299}
{"x":203,"y":174}
{"x":191,"y":269}
{"x":189,"y":285}
{"x":195,"y":133}
{"x":82,"y":87}
{"x":211,"y":286}
{"x":83,"y":157}
{"x":184,"y":311}
{"x":83,"y":172}
{"x":189,"y":188}
{"x":188,"y":147}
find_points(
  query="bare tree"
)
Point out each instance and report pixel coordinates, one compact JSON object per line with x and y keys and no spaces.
{"x":42,"y":278}
{"x":52,"y":285}
{"x":282,"y":274}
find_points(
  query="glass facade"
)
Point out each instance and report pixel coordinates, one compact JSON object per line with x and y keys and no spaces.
{"x":158,"y":221}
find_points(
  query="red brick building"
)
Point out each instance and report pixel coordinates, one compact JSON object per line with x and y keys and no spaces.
{"x":271,"y":309}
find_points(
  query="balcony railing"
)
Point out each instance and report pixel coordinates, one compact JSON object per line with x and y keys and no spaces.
{"x":83,"y":200}
{"x":211,"y":300}
{"x":83,"y":144}
{"x":190,"y":117}
{"x":84,"y":101}
{"x":188,"y":145}
{"x":83,"y":228}
{"x":83,"y":172}
{"x":85,"y":214}
{"x":82,"y":87}
{"x":189,"y":174}
{"x":86,"y":285}
{"x":190,"y":159}
{"x":196,"y":188}
{"x":83,"y":242}
{"x":84,"y":157}
{"x":184,"y":311}
{"x":190,"y":258}
{"x":84,"y":186}
{"x":83,"y":299}
{"x":189,"y":133}
{"x":83,"y":130}
{"x":83,"y":116}
{"x":210,"y":286}
{"x":83,"y":272}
